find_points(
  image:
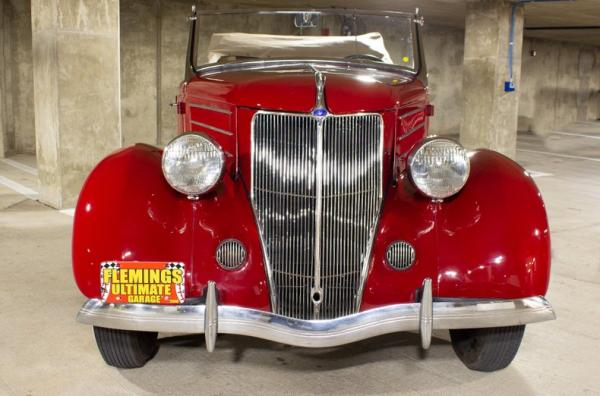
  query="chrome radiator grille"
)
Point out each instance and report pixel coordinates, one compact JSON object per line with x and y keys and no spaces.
{"x":316,"y":190}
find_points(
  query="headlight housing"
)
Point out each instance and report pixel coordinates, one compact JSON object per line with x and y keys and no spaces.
{"x":193,"y":164}
{"x":439,"y":167}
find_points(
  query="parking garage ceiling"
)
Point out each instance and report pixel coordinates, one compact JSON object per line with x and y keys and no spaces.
{"x":576,"y":21}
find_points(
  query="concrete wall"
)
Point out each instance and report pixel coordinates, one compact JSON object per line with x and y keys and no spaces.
{"x":489,"y":116}
{"x":154,"y":36}
{"x":17,"y":78}
{"x":77,"y":92}
{"x":3,"y":133}
{"x":174,"y":30}
{"x":139,"y":71}
{"x":153,"y":49}
{"x":444,"y":51}
{"x":560,"y":85}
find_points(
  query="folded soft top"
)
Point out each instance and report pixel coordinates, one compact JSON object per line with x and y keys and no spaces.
{"x":267,"y":46}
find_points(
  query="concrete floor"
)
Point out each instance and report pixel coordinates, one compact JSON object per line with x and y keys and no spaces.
{"x":43,"y":351}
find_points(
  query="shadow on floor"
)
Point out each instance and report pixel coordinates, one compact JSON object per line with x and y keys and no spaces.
{"x":334,"y":358}
{"x":243,"y":365}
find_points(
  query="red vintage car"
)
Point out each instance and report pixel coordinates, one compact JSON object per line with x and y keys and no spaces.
{"x":304,"y":202}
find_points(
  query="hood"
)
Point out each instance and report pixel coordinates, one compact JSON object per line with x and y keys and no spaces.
{"x":294,"y":90}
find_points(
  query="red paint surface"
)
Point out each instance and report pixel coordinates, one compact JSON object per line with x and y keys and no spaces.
{"x":494,"y":239}
{"x":294,"y":90}
{"x":489,"y":241}
{"x":127,"y":212}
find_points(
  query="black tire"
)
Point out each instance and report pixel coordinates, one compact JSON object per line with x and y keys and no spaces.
{"x":487,"y":349}
{"x":125,"y":348}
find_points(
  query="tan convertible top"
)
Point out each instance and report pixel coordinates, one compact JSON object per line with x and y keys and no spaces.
{"x":268,"y":46}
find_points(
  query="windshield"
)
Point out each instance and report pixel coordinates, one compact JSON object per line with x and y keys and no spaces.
{"x":351,"y":37}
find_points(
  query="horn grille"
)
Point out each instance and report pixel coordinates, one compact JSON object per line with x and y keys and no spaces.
{"x":400,"y":255}
{"x":231,"y":254}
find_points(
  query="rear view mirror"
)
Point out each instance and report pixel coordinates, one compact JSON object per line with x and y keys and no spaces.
{"x":306,"y":20}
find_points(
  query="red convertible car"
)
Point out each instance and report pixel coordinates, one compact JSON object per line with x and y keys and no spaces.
{"x":305,"y":202}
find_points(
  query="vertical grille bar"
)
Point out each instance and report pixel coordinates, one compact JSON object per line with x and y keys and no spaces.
{"x":286,"y":189}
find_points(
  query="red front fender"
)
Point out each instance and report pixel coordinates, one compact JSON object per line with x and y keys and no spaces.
{"x":494,"y":239}
{"x":127,"y":211}
{"x":491,"y":240}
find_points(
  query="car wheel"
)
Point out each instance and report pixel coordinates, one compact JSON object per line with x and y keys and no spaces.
{"x":125,"y":348}
{"x":487,"y":349}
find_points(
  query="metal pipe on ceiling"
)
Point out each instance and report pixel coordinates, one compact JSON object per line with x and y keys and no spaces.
{"x":509,"y":86}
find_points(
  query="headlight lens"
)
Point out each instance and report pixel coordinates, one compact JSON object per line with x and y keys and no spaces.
{"x":192,"y":164}
{"x":439,"y":167}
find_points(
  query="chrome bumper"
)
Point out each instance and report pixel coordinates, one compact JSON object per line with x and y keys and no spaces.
{"x":212,"y":319}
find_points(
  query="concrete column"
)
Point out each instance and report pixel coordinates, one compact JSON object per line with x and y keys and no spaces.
{"x":140,"y":35}
{"x":2,"y":91}
{"x":595,"y":109}
{"x":21,"y":60}
{"x":490,"y":115}
{"x":174,"y":29}
{"x":8,"y":114}
{"x":17,"y":77}
{"x":154,"y":36}
{"x":77,"y":92}
{"x":444,"y":55}
{"x":586,"y":68}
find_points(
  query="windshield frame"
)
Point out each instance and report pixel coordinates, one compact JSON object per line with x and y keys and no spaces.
{"x":211,"y":68}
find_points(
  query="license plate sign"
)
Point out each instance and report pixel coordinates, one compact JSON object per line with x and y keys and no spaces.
{"x":142,"y":282}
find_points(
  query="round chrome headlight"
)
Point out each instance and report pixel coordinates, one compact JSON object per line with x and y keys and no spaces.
{"x":439,"y":167}
{"x":193,"y":164}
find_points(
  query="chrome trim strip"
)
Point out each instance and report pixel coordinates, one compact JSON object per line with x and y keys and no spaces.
{"x":318,"y":218}
{"x":319,"y":104}
{"x":322,"y":11}
{"x":213,"y":68}
{"x":459,"y":314}
{"x":210,"y":108}
{"x":413,"y":130}
{"x":410,"y":113}
{"x":212,"y":128}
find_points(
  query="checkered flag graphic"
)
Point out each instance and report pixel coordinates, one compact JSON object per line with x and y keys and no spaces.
{"x":105,"y":287}
{"x":179,"y":288}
